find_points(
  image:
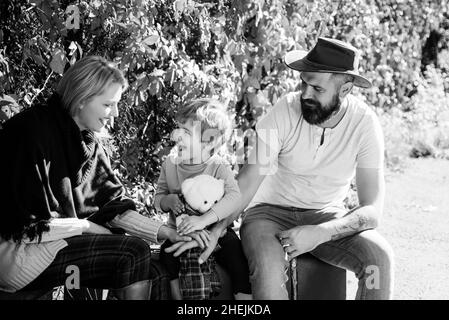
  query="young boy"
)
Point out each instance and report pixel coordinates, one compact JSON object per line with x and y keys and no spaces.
{"x":204,"y":126}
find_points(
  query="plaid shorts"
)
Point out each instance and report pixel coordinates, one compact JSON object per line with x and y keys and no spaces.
{"x":198,"y":281}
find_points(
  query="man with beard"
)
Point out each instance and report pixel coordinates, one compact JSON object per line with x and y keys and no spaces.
{"x":309,"y":148}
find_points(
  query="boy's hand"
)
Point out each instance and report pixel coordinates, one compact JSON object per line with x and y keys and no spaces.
{"x":173,"y":203}
{"x":190,"y":224}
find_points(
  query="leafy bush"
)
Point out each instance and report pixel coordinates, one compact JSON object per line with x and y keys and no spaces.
{"x":421,"y":129}
{"x":175,"y":50}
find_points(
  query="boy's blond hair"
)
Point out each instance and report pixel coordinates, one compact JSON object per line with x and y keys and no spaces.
{"x":214,"y":118}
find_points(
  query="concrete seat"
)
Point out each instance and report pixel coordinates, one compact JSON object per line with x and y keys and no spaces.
{"x":318,"y":280}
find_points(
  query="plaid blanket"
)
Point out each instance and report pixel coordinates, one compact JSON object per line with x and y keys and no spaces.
{"x":198,"y":281}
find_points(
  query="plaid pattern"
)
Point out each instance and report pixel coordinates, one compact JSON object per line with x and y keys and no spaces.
{"x":198,"y":281}
{"x":160,"y":286}
{"x":160,"y":282}
{"x":104,"y":261}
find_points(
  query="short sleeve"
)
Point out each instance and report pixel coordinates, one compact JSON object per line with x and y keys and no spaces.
{"x":273,"y":127}
{"x":371,"y":150}
{"x":162,"y":187}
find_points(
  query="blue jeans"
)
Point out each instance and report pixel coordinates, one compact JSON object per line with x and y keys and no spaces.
{"x":366,"y":253}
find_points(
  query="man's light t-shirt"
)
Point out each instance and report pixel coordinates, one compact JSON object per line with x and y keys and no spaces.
{"x":306,"y":174}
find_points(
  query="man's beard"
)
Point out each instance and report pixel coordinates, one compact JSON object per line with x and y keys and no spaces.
{"x":314,"y":113}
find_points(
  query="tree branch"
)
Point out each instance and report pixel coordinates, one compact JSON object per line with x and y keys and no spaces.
{"x":41,"y":89}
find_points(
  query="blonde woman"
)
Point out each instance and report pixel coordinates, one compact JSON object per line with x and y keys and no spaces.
{"x":59,"y":194}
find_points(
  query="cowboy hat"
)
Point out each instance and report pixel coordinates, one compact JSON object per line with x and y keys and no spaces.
{"x":328,"y":55}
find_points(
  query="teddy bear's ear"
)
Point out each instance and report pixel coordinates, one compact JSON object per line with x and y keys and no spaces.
{"x":187,"y":185}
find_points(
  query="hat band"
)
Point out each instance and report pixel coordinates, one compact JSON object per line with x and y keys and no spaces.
{"x":324,"y":67}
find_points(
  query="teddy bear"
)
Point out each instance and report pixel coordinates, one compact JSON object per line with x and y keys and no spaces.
{"x":201,"y":193}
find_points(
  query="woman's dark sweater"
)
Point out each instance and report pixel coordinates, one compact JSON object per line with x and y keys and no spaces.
{"x":52,"y":169}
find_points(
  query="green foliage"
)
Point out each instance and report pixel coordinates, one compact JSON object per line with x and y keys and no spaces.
{"x":422,"y":130}
{"x":175,"y":50}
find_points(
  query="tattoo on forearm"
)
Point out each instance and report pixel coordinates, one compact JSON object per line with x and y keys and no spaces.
{"x":354,"y":222}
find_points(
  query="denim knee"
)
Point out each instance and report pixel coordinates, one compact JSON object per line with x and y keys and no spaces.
{"x":267,"y":266}
{"x":380,"y":256}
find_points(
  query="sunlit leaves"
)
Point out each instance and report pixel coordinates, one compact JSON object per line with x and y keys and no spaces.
{"x":174,"y":50}
{"x":58,"y":61}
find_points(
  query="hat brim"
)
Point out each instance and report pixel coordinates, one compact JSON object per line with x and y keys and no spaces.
{"x":296,"y":60}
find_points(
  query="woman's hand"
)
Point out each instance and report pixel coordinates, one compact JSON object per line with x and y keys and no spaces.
{"x":167,"y":233}
{"x":172,"y":202}
{"x":93,"y":228}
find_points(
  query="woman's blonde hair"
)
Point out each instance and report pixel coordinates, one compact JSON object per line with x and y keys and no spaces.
{"x":87,"y":78}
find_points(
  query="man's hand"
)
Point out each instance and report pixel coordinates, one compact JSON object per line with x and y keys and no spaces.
{"x":302,"y":239}
{"x":93,"y":228}
{"x":214,"y":236}
{"x":190,"y":224}
{"x":202,"y":237}
{"x":172,"y":202}
{"x":180,"y":247}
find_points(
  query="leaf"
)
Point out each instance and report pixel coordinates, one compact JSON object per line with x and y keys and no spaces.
{"x":72,"y":60}
{"x":267,"y":65}
{"x":252,"y":84}
{"x":72,"y":48}
{"x":120,"y":24}
{"x":27,"y":99}
{"x":155,"y":87}
{"x":151,"y":39}
{"x":179,"y":5}
{"x":79,"y":49}
{"x":142,"y":95}
{"x":58,"y":61}
{"x":38,"y":59}
{"x":43,"y":44}
{"x":170,"y":76}
{"x":157,"y":73}
{"x":164,"y":52}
